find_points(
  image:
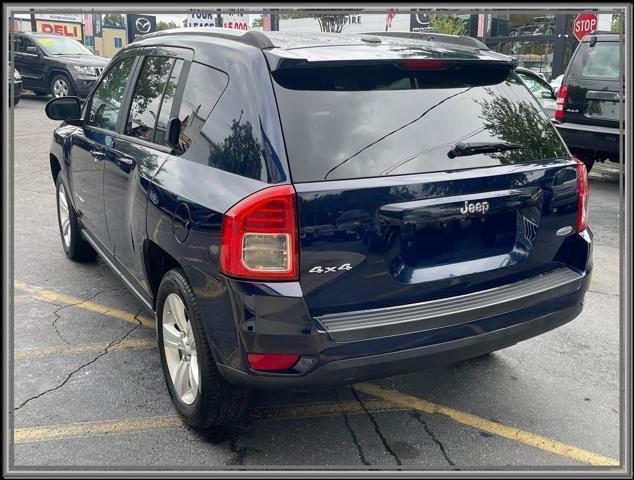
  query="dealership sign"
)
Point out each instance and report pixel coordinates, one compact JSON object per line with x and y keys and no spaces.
{"x":234,"y":19}
{"x":419,"y":22}
{"x":201,"y":19}
{"x":584,"y":24}
{"x":139,"y":25}
{"x":66,"y":29}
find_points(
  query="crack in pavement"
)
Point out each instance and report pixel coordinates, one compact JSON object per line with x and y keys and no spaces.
{"x":62,"y":307}
{"x":81,"y":367}
{"x":386,"y":445}
{"x":234,"y":433}
{"x":240,"y":452}
{"x":355,"y":440}
{"x":433,"y":437}
{"x":604,"y":293}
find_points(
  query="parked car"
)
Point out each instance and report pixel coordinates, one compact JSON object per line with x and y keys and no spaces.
{"x":56,"y":65}
{"x":589,"y":100}
{"x":471,"y":214}
{"x":555,"y":83}
{"x":540,"y":88}
{"x":537,"y":26}
{"x":16,"y":80}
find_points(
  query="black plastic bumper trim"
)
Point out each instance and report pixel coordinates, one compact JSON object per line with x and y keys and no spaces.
{"x":359,"y":325}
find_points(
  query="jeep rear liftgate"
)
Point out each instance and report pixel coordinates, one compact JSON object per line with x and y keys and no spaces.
{"x":420,"y":180}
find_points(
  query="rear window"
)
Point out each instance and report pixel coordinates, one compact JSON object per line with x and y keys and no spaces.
{"x":600,"y":61}
{"x":371,"y":121}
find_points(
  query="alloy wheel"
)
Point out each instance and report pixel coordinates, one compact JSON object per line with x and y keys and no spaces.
{"x":64,"y":216}
{"x":60,"y":88}
{"x":179,"y":347}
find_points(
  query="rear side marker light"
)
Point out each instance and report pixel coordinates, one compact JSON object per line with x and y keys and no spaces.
{"x":583,"y":188}
{"x":271,"y":362}
{"x":259,"y":239}
{"x":561,"y":101}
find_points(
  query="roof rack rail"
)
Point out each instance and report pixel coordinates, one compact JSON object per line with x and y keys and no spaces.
{"x":601,"y":32}
{"x":461,"y":40}
{"x":251,"y":37}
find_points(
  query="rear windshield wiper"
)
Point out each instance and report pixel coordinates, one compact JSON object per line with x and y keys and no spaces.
{"x":461,"y":149}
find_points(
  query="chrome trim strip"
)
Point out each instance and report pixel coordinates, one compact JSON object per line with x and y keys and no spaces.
{"x":453,"y":310}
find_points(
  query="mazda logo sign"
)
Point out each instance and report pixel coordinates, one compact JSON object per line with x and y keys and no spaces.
{"x":143,"y":25}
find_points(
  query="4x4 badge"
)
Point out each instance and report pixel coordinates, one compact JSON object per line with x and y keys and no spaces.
{"x":320,"y":269}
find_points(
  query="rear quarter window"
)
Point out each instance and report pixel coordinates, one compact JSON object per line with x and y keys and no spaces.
{"x":203,"y":89}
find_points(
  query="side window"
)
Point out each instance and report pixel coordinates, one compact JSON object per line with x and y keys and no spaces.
{"x":160,"y":136}
{"x":21,"y":43}
{"x":105,"y":103}
{"x":18,"y":45}
{"x":534,"y":84}
{"x":202,"y":91}
{"x":148,"y":93}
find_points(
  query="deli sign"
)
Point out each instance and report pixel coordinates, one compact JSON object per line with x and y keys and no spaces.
{"x":584,"y":24}
{"x":65,"y":29}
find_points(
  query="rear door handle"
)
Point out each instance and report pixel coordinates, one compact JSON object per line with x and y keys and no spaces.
{"x":97,"y":155}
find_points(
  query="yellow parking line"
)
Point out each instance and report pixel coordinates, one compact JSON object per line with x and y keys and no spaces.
{"x":323,"y":409}
{"x":56,"y":297}
{"x":94,"y":429}
{"x":393,"y":400}
{"x":77,"y":349}
{"x":128,"y":425}
{"x":511,"y":433}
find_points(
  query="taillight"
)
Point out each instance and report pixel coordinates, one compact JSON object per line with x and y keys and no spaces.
{"x":259,"y":236}
{"x":425,"y":64}
{"x":271,"y":362}
{"x":583,"y":187}
{"x":561,"y":101}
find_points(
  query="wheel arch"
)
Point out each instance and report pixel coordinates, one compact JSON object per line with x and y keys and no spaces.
{"x":57,"y":71}
{"x":157,"y":262}
{"x":56,"y":166}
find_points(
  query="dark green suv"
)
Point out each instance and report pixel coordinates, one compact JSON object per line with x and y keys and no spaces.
{"x":590,"y":100}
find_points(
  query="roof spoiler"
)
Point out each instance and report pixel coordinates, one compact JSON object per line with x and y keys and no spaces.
{"x":460,"y":40}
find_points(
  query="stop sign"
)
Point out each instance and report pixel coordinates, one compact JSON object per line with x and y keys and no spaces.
{"x":584,"y":24}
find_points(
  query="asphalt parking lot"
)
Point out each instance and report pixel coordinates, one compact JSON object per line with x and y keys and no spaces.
{"x":89,"y":392}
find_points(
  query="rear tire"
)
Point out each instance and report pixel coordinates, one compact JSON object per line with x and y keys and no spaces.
{"x":199,"y":392}
{"x":75,"y":245}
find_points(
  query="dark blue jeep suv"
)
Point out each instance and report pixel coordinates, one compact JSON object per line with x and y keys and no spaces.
{"x":306,"y":210}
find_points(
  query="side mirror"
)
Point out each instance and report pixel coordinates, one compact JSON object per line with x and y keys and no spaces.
{"x":32,"y":49}
{"x":173,"y":132}
{"x":67,"y":109}
{"x":548,"y":94}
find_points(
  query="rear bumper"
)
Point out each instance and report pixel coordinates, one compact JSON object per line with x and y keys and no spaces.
{"x":273,"y":318}
{"x":394,"y":363}
{"x":604,"y":140}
